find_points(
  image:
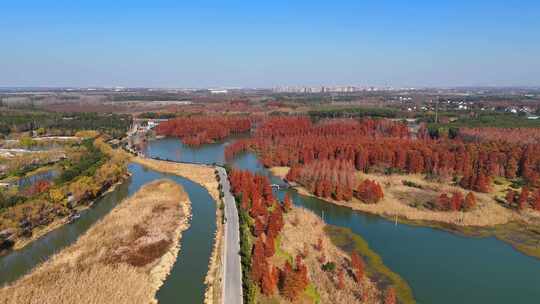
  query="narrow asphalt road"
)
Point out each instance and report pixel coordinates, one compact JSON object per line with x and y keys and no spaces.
{"x":232,"y":274}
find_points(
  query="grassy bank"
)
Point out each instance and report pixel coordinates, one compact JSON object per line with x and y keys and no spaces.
{"x":302,"y":233}
{"x":520,"y":229}
{"x":201,"y":174}
{"x":92,"y":169}
{"x":523,"y":236}
{"x":58,"y":222}
{"x":345,"y":239}
{"x":122,"y":259}
{"x":409,"y":202}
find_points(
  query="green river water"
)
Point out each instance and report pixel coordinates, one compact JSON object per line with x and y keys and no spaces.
{"x":440,"y":267}
{"x":185,"y":284}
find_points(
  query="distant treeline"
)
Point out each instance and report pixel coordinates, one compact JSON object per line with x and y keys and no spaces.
{"x":353,"y":112}
{"x":492,"y":120}
{"x":154,"y":115}
{"x":489,"y":120}
{"x":115,"y":125}
{"x":145,"y":97}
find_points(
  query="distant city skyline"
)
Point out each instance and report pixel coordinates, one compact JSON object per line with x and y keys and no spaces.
{"x":204,"y":44}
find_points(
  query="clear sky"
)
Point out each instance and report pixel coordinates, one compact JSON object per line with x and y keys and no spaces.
{"x":202,"y":43}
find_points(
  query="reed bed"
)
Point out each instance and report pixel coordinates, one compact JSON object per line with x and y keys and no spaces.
{"x":206,"y":177}
{"x":302,"y":230}
{"x":123,"y":258}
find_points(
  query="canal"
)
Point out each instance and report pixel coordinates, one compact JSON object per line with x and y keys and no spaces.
{"x":440,"y":267}
{"x":185,"y":284}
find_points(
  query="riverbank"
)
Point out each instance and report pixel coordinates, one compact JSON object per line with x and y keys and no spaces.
{"x":79,"y":184}
{"x":40,"y":231}
{"x":521,"y":230}
{"x":301,"y":235}
{"x":206,"y":177}
{"x":398,"y":200}
{"x":127,"y":266}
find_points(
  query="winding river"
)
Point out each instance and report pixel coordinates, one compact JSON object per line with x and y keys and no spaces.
{"x":186,"y":281}
{"x":440,"y":267}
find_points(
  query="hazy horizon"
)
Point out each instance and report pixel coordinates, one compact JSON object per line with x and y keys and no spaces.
{"x":164,"y":44}
{"x":108,"y":87}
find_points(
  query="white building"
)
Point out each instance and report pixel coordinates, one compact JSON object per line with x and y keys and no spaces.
{"x":218,"y":91}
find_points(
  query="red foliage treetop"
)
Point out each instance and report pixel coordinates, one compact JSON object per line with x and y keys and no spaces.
{"x":457,"y":201}
{"x":369,"y":192}
{"x":259,"y":202}
{"x":341,"y":278}
{"x":385,"y":145}
{"x":327,"y":178}
{"x":269,"y":280}
{"x":258,"y":260}
{"x":357,"y":265}
{"x":38,"y":187}
{"x":470,"y":201}
{"x":510,"y":135}
{"x":390,"y":296}
{"x":536,"y":201}
{"x":197,"y":130}
{"x":523,"y":198}
{"x":287,"y":203}
{"x":294,"y":280}
{"x":275,"y":221}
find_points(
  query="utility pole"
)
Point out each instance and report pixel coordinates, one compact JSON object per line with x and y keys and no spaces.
{"x":437,"y":110}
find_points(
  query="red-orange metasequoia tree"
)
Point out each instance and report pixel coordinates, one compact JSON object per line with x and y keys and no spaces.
{"x":358,"y":266}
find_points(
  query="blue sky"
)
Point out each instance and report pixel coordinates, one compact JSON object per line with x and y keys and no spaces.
{"x":253,"y":44}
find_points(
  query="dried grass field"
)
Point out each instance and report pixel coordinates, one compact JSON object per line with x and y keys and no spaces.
{"x":400,"y":200}
{"x":206,"y":177}
{"x":302,"y":230}
{"x":124,"y":258}
{"x":302,"y":233}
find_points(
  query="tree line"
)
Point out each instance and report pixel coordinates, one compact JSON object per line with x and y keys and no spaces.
{"x":198,"y":130}
{"x":388,"y":147}
{"x":335,"y":179}
{"x":261,"y":221}
{"x":115,"y":125}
